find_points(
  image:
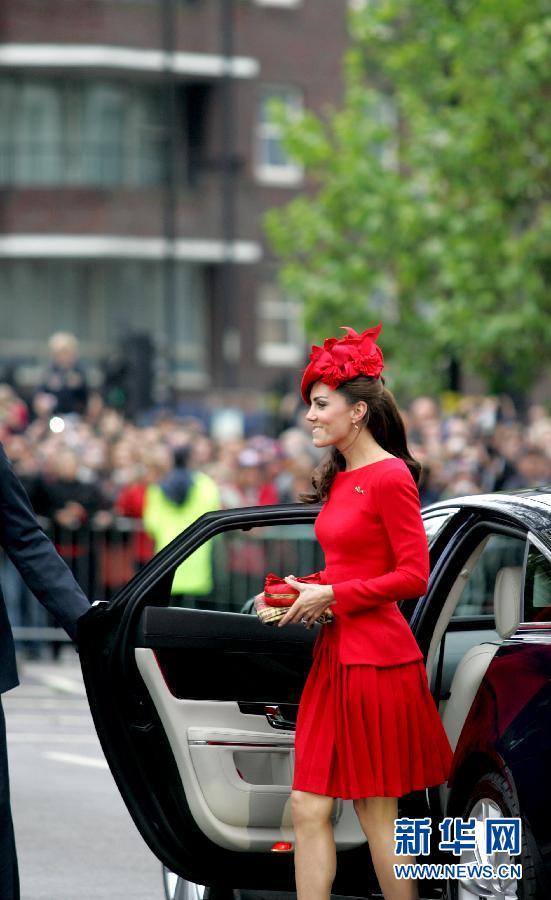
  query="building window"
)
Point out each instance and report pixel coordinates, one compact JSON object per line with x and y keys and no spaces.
{"x":36,"y":127}
{"x":285,"y":3}
{"x":273,"y":164}
{"x":280,"y":332}
{"x":85,"y":133}
{"x":384,"y":118}
{"x":103,"y":137}
{"x":191,"y":327}
{"x":363,"y":4}
{"x":101,"y":301}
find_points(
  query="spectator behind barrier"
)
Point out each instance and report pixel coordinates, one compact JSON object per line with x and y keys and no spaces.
{"x":170,"y":506}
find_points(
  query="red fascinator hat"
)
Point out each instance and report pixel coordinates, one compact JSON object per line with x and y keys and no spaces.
{"x":341,"y":359}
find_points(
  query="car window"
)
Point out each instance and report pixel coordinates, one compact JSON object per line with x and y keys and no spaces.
{"x":477,"y":595}
{"x":227,"y":571}
{"x":435,"y":523}
{"x":537,"y":588}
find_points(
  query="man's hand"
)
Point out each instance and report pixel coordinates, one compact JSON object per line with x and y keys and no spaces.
{"x":312,"y":601}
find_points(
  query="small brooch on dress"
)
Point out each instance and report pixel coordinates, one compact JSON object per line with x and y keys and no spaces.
{"x":359,"y":490}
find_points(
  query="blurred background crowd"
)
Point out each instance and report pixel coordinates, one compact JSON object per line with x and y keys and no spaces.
{"x":81,"y":460}
{"x":111,"y":490}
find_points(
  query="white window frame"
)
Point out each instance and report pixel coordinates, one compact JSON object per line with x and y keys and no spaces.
{"x":384,"y":112}
{"x":279,"y":353}
{"x":287,"y":175}
{"x":286,"y":4}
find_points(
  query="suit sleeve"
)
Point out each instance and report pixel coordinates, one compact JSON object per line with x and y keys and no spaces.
{"x":399,"y":507}
{"x":33,"y":554}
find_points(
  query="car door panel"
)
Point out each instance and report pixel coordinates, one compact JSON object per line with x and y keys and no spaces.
{"x":204,"y":737}
{"x":236,"y":770}
{"x":191,"y":805}
{"x":246,"y":660}
{"x":162,"y":680}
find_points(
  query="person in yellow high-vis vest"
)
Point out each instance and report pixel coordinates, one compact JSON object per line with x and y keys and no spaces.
{"x":170,"y":506}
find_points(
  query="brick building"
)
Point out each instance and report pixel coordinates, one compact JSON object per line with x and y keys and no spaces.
{"x":136,"y":159}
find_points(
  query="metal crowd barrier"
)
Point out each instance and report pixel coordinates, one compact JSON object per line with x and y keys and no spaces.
{"x":103,"y":557}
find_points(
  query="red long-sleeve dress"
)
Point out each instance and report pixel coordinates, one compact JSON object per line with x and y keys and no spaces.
{"x":367,"y":723}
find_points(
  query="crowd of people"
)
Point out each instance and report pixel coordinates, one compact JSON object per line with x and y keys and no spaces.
{"x":84,"y":464}
{"x":98,"y":464}
{"x":80,"y":458}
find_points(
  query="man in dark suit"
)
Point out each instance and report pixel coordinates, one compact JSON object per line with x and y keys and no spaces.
{"x":49,"y":579}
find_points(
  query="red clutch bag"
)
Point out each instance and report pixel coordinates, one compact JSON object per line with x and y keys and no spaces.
{"x":279,"y":596}
{"x":277,"y":592}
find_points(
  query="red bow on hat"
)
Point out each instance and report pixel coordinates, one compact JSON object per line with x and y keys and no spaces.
{"x":341,"y":359}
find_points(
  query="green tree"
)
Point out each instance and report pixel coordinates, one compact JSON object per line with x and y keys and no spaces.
{"x":429,"y":206}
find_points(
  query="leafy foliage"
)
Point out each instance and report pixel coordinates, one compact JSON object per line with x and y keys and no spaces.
{"x":431,"y":186}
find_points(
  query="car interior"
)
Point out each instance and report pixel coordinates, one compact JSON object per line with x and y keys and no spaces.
{"x":481,"y":610}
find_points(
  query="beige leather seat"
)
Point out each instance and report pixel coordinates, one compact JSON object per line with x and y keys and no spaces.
{"x":473,"y":666}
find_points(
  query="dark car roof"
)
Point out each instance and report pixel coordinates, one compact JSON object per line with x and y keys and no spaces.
{"x":530,"y":507}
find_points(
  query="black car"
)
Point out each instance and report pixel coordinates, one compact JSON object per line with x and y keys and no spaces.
{"x":195,"y":707}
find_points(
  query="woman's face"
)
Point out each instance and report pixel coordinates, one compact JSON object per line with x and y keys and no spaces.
{"x":330,"y":416}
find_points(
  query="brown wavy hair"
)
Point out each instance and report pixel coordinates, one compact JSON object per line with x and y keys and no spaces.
{"x":385,"y":424}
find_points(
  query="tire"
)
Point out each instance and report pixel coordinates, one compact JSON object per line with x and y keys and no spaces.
{"x":493,"y":797}
{"x":177,"y":888}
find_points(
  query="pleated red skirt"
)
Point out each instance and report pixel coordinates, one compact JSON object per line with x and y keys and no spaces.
{"x":366,"y":731}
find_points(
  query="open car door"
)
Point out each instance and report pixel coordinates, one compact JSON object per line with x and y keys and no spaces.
{"x":195,"y":707}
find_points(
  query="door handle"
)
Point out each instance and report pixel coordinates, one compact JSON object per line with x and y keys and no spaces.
{"x":276,"y":720}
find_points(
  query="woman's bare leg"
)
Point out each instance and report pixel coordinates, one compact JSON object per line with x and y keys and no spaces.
{"x":377,"y":815}
{"x":315,"y":855}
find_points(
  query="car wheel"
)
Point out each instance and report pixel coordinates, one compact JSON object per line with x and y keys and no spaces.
{"x":492,"y":798}
{"x":177,"y":888}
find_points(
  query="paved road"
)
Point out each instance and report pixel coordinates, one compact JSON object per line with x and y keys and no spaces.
{"x":75,"y":838}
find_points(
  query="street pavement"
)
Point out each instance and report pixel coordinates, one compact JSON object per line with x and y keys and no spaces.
{"x":75,"y":838}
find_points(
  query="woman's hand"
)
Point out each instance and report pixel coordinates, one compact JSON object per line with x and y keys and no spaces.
{"x":312,"y":601}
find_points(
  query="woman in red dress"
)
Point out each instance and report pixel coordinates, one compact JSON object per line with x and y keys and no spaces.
{"x":367,"y":729}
